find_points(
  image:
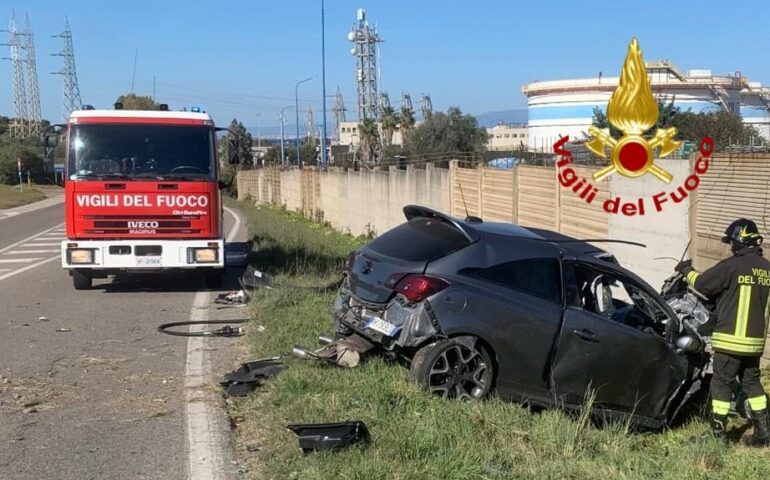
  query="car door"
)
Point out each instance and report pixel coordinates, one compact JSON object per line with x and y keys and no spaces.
{"x":516,"y":306}
{"x":626,"y":368}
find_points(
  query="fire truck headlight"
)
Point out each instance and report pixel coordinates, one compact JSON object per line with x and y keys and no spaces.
{"x":202,"y":255}
{"x":80,"y":255}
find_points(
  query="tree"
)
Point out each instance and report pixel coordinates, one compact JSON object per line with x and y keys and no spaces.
{"x":245,"y":142}
{"x":407,"y":119}
{"x":370,"y":138}
{"x":132,"y":101}
{"x":724,"y":127}
{"x":31,"y":160}
{"x":446,"y":132}
{"x":389,"y":119}
{"x":600,"y":120}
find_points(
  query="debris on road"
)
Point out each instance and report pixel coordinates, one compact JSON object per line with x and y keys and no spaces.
{"x":43,"y":319}
{"x":63,"y":330}
{"x":326,"y":436}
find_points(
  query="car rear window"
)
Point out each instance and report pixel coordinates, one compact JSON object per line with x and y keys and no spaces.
{"x":420,"y":240}
{"x":538,"y":277}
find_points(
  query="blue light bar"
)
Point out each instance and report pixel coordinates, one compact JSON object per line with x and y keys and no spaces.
{"x":195,"y":109}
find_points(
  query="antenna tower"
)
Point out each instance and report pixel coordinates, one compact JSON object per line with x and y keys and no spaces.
{"x":366,"y":45}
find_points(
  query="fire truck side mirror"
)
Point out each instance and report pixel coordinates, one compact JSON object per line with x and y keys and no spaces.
{"x":232,"y":151}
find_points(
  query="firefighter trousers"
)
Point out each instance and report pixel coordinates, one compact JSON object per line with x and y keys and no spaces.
{"x":728,"y":367}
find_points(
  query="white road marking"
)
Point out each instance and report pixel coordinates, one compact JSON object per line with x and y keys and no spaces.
{"x":43,"y":244}
{"x":18,"y":260}
{"x":28,"y":267}
{"x":206,"y":439}
{"x":24,"y":252}
{"x":21,"y":242}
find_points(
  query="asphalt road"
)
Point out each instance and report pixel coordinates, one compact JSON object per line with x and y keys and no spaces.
{"x":88,"y":388}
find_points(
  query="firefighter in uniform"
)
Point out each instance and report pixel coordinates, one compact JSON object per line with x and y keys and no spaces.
{"x":740,"y":285}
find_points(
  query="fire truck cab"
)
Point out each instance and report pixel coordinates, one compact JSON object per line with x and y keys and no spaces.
{"x":142,"y":195}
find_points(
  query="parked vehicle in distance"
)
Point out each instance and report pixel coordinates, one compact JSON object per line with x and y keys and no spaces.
{"x":540,"y":317}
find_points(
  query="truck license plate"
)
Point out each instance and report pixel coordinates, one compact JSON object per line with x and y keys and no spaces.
{"x":148,"y":261}
{"x":379,"y":325}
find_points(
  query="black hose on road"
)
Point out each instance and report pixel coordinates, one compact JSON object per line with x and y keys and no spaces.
{"x":226,"y":331}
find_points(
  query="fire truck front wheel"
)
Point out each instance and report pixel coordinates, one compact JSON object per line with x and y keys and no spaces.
{"x":214,"y":278}
{"x":81,"y":279}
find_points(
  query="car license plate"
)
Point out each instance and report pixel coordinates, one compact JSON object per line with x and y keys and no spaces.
{"x":379,"y":325}
{"x":148,"y":261}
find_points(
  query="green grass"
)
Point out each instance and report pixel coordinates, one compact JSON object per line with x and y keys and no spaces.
{"x":415,"y":435}
{"x":11,"y":196}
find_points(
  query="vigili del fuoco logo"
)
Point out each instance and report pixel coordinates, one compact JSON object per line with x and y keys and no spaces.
{"x":633,"y":110}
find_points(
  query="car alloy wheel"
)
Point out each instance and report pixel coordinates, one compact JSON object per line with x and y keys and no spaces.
{"x":451,"y":369}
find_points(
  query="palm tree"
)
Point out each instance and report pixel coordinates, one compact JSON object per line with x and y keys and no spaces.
{"x":370,"y":138}
{"x":390,"y":121}
{"x":407,"y":119}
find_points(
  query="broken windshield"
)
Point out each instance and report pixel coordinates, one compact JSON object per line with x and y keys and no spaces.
{"x":162,"y":152}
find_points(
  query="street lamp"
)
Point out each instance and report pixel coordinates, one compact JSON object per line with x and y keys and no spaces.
{"x":324,"y":159}
{"x":296,"y":111}
{"x":282,"y":141}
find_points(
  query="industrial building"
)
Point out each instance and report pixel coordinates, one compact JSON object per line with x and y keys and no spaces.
{"x":505,"y":137}
{"x":565,"y":107}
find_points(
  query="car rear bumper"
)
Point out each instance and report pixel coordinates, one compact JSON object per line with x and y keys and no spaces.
{"x":415,"y":323}
{"x":143,"y":255}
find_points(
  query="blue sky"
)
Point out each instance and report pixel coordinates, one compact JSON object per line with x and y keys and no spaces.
{"x":240,"y":58}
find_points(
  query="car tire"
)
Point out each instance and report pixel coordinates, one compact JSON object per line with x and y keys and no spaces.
{"x":214,"y":279}
{"x":451,"y":369}
{"x":81,"y":279}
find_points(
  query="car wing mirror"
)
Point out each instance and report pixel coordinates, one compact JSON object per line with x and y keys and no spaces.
{"x":232,"y":151}
{"x":689,"y":344}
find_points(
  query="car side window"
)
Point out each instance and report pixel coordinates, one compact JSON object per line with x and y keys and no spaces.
{"x":540,"y":277}
{"x":617,"y":299}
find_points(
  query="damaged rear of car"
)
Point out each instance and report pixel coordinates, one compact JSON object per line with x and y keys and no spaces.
{"x":540,"y":317}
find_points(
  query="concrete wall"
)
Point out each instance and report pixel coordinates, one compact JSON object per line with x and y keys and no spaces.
{"x":371,"y":202}
{"x":665,"y":233}
{"x":360,"y":202}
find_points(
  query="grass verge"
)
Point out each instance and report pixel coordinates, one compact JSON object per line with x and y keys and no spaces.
{"x":10,"y":196}
{"x":415,"y":435}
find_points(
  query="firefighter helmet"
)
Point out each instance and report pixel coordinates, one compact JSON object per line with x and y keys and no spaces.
{"x":743,"y":232}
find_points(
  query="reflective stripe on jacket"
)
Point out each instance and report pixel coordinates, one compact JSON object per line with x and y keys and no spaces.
{"x":741,"y":286}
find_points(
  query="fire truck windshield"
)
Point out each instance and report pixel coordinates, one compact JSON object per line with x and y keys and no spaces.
{"x":136,"y":151}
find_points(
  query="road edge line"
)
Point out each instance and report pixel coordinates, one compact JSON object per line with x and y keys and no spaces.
{"x":206,"y":433}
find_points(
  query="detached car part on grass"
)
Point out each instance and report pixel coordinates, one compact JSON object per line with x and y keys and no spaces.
{"x":538,"y":316}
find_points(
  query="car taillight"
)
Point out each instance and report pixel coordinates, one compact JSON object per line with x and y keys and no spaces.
{"x":419,"y":287}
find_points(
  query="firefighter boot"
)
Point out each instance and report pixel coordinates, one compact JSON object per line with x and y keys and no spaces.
{"x":760,"y":437}
{"x":719,"y":426}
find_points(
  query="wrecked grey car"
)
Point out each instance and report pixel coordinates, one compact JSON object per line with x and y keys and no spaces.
{"x":539,"y":317}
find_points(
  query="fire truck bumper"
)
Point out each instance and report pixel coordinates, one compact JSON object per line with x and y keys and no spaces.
{"x":122,"y":255}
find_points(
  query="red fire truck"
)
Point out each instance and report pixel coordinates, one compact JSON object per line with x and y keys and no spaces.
{"x":142,"y":194}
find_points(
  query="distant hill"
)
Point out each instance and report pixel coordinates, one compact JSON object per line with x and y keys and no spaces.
{"x":490,"y":119}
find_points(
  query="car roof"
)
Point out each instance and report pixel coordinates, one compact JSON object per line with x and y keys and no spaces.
{"x":473,"y":229}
